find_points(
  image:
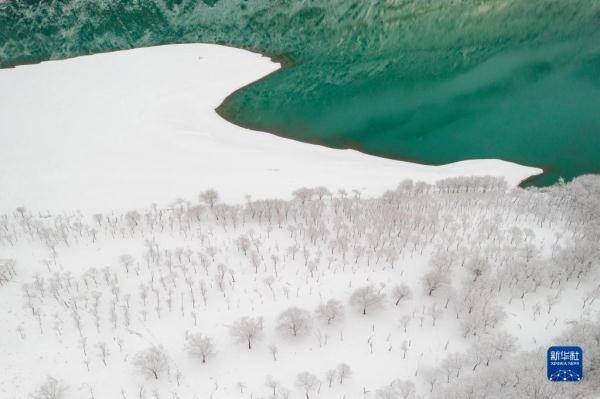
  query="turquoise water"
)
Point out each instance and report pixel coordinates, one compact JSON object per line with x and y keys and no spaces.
{"x":432,"y":81}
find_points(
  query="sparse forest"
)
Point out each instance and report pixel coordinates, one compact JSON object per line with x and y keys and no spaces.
{"x":451,"y":290}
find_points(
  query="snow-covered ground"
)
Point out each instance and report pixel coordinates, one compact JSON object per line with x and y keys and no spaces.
{"x":117,"y":130}
{"x":468,"y":287}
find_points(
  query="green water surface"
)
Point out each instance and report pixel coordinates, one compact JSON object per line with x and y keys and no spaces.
{"x":432,"y":81}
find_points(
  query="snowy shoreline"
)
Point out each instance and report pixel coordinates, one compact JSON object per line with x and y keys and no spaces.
{"x":114,"y":131}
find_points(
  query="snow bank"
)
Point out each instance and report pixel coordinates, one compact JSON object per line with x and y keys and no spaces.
{"x":118,"y":130}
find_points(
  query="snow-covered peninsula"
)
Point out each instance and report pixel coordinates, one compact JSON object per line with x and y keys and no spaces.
{"x":116,"y":130}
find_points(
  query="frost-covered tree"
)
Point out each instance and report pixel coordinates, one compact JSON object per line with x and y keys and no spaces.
{"x":366,"y":298}
{"x":294,"y":321}
{"x":518,"y":375}
{"x":387,"y":392}
{"x":330,"y":376}
{"x":482,"y":318}
{"x":433,"y":280}
{"x":151,"y":362}
{"x":247,"y":330}
{"x":477,"y":267}
{"x":406,"y":389}
{"x":103,"y":352}
{"x":243,"y":243}
{"x":343,"y":372}
{"x":274,"y":350}
{"x":404,"y":322}
{"x":401,"y":292}
{"x":404,"y":347}
{"x":272,"y":384}
{"x":330,"y":312}
{"x":199,"y":345}
{"x":50,"y":389}
{"x":303,"y":194}
{"x":126,"y":261}
{"x":431,"y":376}
{"x":8,"y":271}
{"x":452,"y":365}
{"x":321,"y":192}
{"x":503,"y":343}
{"x":435,"y":313}
{"x":209,"y":197}
{"x":308,"y":382}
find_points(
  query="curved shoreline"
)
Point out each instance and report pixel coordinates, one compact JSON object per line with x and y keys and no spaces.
{"x":117,"y":130}
{"x":226,"y":112}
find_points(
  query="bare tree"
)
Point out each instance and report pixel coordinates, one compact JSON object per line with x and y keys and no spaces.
{"x":321,"y":192}
{"x":103,"y":352}
{"x":209,"y":197}
{"x":435,"y":313}
{"x":274,"y":350}
{"x":272,"y":384}
{"x":478,"y":267}
{"x":452,"y":365}
{"x":404,"y":346}
{"x":243,"y":243}
{"x":247,"y":330}
{"x":387,"y":392}
{"x":303,"y":194}
{"x":367,"y":297}
{"x":152,"y":361}
{"x":331,"y":311}
{"x":406,"y":389}
{"x":200,"y":346}
{"x":405,"y":321}
{"x":431,"y":376}
{"x":433,"y":280}
{"x":330,"y":376}
{"x":283,"y":393}
{"x":401,"y":293}
{"x":294,"y":321}
{"x":126,"y":261}
{"x":344,"y":372}
{"x":503,"y":343}
{"x":307,"y":382}
{"x":50,"y":389}
{"x":7,"y":272}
